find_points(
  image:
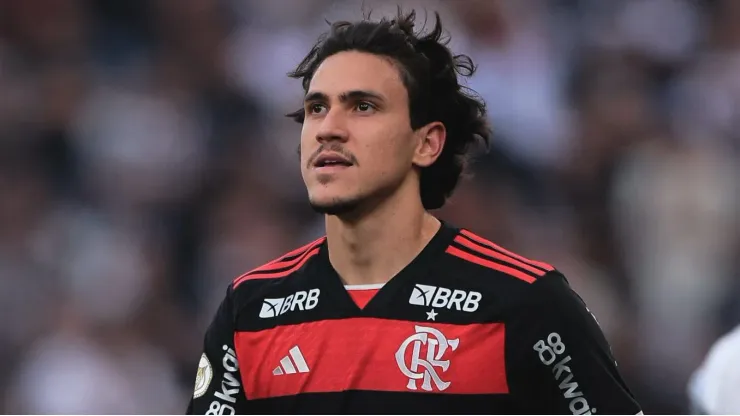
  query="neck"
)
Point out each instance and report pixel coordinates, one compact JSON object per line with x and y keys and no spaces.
{"x":374,"y":248}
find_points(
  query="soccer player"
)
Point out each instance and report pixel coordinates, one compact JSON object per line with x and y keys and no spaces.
{"x":715,"y":386}
{"x":394,"y":311}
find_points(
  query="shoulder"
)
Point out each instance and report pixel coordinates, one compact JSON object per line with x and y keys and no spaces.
{"x":478,"y":254}
{"x":728,"y":345}
{"x":272,"y":281}
{"x":709,"y":387}
{"x":725,"y":351}
{"x":285,"y":266}
{"x":526,"y":282}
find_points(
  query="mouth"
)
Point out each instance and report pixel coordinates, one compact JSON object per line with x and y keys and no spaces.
{"x":331,"y":161}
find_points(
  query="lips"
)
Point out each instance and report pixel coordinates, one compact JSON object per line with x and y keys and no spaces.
{"x":328,"y":160}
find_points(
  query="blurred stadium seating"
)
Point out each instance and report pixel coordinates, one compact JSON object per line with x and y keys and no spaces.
{"x":145,"y":162}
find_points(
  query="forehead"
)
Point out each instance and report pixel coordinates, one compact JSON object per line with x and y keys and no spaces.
{"x":352,"y":70}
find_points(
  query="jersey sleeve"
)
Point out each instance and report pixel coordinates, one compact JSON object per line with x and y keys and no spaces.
{"x":558,"y":360}
{"x":218,"y":383}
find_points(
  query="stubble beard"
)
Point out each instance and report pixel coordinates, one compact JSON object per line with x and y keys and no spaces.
{"x":353,"y":208}
{"x":336,"y":207}
{"x":356,"y":206}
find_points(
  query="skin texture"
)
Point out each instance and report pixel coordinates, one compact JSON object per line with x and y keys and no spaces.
{"x":357,"y":107}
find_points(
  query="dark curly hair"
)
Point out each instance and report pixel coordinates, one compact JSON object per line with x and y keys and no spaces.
{"x":429,"y":72}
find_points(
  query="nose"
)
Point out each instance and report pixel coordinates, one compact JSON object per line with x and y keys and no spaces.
{"x":333,"y":128}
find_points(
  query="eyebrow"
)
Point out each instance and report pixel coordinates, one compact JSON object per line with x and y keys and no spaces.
{"x":345,"y":96}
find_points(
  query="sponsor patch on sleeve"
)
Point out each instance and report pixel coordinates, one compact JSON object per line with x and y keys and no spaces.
{"x":203,"y":377}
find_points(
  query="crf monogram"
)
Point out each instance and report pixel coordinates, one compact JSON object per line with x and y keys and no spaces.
{"x":425,"y":369}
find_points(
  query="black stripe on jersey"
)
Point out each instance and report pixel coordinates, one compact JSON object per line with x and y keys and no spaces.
{"x":386,"y":402}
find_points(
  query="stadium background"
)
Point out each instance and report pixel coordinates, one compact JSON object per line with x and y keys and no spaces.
{"x":144,"y":163}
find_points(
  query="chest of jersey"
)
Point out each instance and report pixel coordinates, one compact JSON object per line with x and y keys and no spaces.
{"x":372,"y":354}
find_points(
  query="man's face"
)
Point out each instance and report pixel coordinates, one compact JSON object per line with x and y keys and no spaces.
{"x":357,"y":143}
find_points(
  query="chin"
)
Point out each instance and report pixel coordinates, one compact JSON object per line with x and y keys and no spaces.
{"x":336,"y":206}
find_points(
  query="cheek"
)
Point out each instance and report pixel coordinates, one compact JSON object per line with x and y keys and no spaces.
{"x":389,"y":157}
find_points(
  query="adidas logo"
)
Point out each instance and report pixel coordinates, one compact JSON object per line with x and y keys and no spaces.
{"x":291,"y":363}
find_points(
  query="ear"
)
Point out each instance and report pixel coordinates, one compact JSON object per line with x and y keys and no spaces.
{"x":430,"y":144}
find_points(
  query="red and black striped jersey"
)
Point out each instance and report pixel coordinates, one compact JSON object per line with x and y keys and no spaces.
{"x":466,"y":327}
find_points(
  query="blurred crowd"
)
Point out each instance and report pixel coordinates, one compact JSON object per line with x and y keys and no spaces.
{"x":145,"y":162}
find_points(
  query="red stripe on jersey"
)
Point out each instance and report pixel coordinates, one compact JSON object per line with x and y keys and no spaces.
{"x":495,"y":254}
{"x":299,"y":250}
{"x":297,"y":264}
{"x":493,"y":245}
{"x":280,"y":262}
{"x":489,"y":264}
{"x":372,"y":354}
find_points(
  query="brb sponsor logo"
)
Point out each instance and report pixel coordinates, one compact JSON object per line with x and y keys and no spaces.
{"x":428,"y":347}
{"x":551,"y":350}
{"x":302,"y":300}
{"x":230,"y":386}
{"x":441,"y":297}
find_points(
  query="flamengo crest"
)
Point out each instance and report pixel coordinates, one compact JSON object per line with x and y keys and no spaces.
{"x":428,"y":347}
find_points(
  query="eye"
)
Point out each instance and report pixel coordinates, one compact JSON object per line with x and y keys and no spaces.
{"x":316,"y":108}
{"x":364,"y":107}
